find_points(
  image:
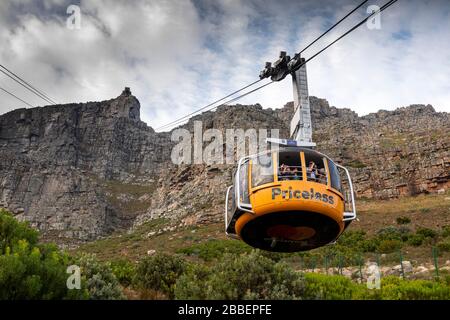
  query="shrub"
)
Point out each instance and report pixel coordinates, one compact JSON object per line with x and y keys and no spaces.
{"x":159,"y":273}
{"x":405,"y":233}
{"x":124,"y":271}
{"x":99,"y":279}
{"x":368,"y":246}
{"x":11,"y":231}
{"x":426,"y":233}
{"x":350,"y":238}
{"x":444,"y":245}
{"x":403,"y":220}
{"x":248,"y":276}
{"x":323,"y":287}
{"x":30,"y":273}
{"x":352,"y":242}
{"x":389,"y":233}
{"x":416,"y":240}
{"x":192,"y":285}
{"x":445,"y":231}
{"x":388,"y":246}
{"x":29,"y":270}
{"x":394,"y":288}
{"x":213,"y":249}
{"x":253,"y":276}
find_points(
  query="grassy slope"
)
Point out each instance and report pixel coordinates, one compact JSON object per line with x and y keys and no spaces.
{"x":424,"y":211}
{"x":431,"y":211}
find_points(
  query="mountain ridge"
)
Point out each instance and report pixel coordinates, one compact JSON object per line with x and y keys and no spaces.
{"x":81,"y":171}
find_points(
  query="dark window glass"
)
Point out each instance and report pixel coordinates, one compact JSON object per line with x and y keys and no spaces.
{"x":289,"y":166}
{"x":334,"y":176}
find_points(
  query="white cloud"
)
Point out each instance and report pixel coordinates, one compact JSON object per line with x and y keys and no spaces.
{"x":179,"y":55}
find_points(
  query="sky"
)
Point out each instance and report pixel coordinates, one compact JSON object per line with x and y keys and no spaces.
{"x":180,"y":55}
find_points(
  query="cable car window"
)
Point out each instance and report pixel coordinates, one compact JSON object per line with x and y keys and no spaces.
{"x":315,"y":168}
{"x":334,"y":176}
{"x":289,"y":166}
{"x":262,"y":170}
{"x":243,"y":183}
{"x":231,"y":205}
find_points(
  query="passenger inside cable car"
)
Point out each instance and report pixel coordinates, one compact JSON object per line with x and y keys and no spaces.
{"x":290,"y":166}
{"x":315,"y":170}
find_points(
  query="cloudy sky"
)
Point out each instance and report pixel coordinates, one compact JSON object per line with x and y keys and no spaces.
{"x":180,"y":55}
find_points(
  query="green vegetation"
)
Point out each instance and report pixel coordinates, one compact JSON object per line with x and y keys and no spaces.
{"x":394,"y":288}
{"x":248,"y":276}
{"x":427,"y":233}
{"x":444,"y":245}
{"x":124,"y":271}
{"x":114,"y":247}
{"x":199,"y":263}
{"x":98,"y":279}
{"x":445,"y":231}
{"x":416,"y":240}
{"x":389,"y":246}
{"x":403,"y":220}
{"x":323,"y":287}
{"x":31,"y":270}
{"x":159,"y":274}
{"x":377,"y":223}
{"x":215,"y":248}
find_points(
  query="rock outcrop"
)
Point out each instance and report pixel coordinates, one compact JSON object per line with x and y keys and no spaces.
{"x":61,"y":167}
{"x":81,"y":171}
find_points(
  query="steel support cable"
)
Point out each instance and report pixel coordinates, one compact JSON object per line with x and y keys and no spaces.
{"x":209,"y":105}
{"x":242,"y":95}
{"x":170,"y":124}
{"x":385,"y":6}
{"x":48,"y":101}
{"x":26,"y":85}
{"x":231,"y":100}
{"x":13,"y":95}
{"x":334,"y":25}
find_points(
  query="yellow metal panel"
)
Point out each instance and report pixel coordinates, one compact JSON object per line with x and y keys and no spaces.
{"x":295,"y":195}
{"x":275,"y":166}
{"x":302,"y":157}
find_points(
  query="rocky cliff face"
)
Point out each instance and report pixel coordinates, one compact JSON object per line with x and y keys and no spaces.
{"x":60,"y":166}
{"x":81,"y":171}
{"x":389,"y":153}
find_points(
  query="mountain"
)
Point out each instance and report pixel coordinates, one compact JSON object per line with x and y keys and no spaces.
{"x":79,"y":172}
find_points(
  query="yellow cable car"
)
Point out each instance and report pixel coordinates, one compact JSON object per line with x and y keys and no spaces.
{"x":288,"y":200}
{"x":295,"y":198}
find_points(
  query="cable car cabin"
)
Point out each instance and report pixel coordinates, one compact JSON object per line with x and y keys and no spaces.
{"x":289,"y":200}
